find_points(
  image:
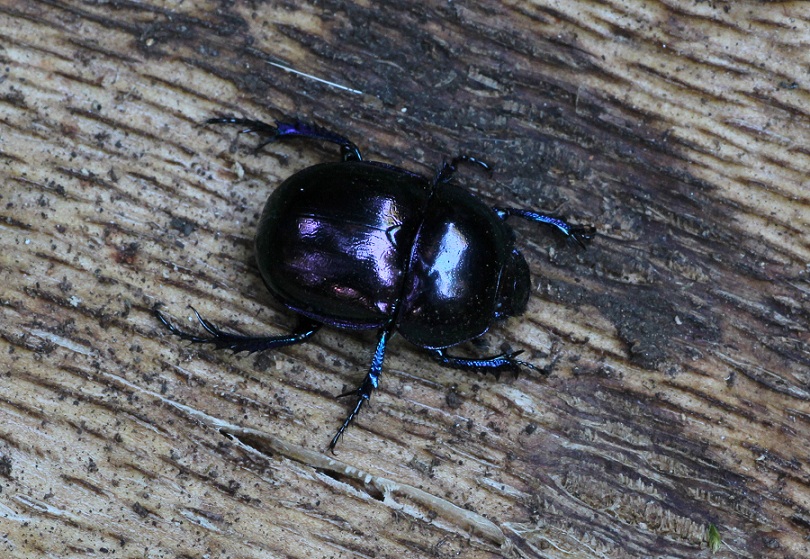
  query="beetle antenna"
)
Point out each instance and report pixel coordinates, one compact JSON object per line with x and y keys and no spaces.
{"x":447,"y":170}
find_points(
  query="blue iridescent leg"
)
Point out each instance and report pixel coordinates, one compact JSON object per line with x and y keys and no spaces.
{"x":365,"y":389}
{"x":495,"y":364}
{"x":236,"y":342}
{"x":348,"y":150}
{"x":581,"y":234}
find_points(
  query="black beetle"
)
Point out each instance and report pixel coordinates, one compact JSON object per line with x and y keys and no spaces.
{"x":361,"y":244}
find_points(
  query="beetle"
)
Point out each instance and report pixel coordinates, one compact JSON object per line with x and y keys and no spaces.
{"x":358,"y":244}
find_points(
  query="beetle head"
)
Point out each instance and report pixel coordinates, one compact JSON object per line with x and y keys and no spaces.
{"x":513,"y":289}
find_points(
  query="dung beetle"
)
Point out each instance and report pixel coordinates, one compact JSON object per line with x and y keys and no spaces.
{"x":361,"y":245}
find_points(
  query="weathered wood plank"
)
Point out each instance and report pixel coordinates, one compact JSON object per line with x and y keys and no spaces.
{"x":678,"y":343}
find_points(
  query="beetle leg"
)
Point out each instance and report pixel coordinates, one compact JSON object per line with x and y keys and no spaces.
{"x":348,"y":150}
{"x":580,"y":234}
{"x":365,"y":389}
{"x":447,"y":170}
{"x":236,"y":342}
{"x":495,"y":364}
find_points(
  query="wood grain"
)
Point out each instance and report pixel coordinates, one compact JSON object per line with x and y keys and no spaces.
{"x":677,"y":343}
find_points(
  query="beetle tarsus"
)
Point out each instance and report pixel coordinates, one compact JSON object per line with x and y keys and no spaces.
{"x":362,"y":398}
{"x":348,"y":150}
{"x":237,"y":342}
{"x":582,"y":234}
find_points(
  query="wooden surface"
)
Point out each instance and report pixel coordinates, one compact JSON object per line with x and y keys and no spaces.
{"x":677,"y":343}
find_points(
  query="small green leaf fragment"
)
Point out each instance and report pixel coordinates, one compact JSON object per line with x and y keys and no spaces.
{"x":713,"y":535}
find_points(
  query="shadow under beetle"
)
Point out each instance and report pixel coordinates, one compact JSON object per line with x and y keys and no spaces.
{"x":360,"y":244}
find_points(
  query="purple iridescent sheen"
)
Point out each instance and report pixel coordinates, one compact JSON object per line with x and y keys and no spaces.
{"x":333,"y":241}
{"x":352,"y":244}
